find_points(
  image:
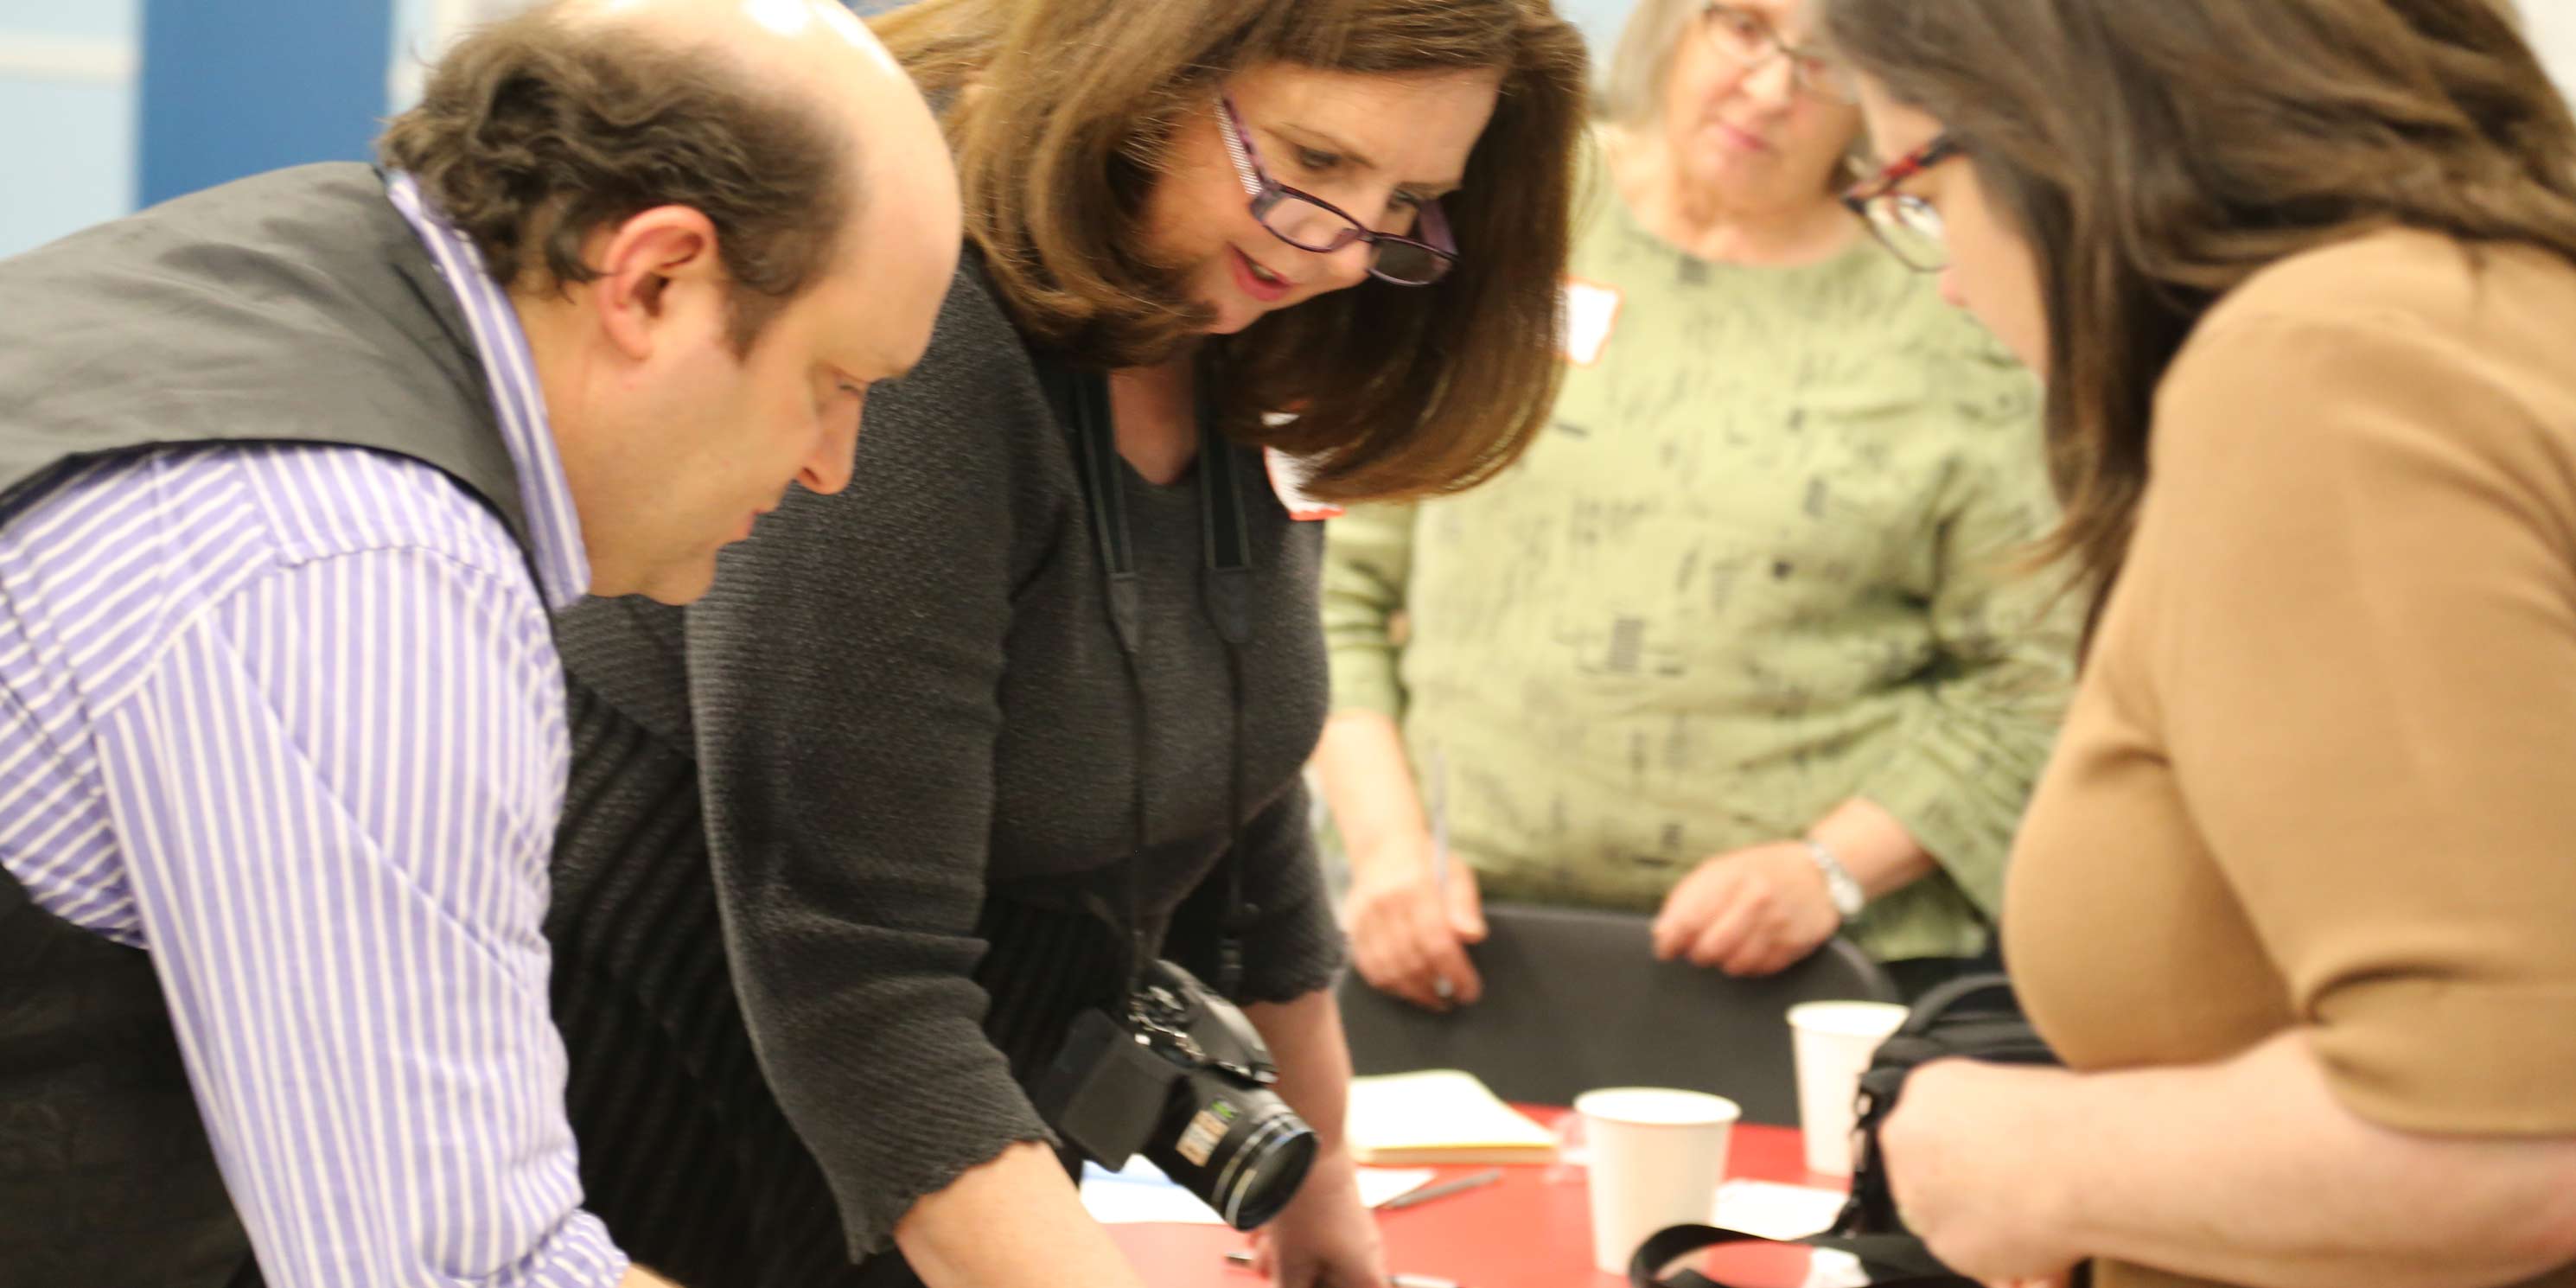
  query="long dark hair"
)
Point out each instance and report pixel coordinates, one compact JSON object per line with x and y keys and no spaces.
{"x":2156,"y":153}
{"x":1060,"y":112}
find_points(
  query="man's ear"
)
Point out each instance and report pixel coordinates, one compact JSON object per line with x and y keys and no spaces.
{"x":654,"y":267}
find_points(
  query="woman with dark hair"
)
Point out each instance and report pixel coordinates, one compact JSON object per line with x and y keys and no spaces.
{"x":2295,"y":896}
{"x":945,"y":761}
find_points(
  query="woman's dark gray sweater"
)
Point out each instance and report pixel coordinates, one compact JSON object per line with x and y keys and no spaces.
{"x":790,"y":802}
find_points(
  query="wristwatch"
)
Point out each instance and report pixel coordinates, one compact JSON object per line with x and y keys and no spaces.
{"x":1840,"y":886}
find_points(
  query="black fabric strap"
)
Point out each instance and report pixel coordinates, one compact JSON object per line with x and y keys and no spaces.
{"x":1096,"y":439}
{"x":1225,"y":597}
{"x":1081,"y":400}
{"x":1890,"y":1260}
{"x":1225,"y":539}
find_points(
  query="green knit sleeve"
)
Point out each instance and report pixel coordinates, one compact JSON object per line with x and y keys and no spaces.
{"x":1368,"y":558}
{"x":1963,"y":769}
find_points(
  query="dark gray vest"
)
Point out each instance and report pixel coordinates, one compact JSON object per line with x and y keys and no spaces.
{"x":293,"y":307}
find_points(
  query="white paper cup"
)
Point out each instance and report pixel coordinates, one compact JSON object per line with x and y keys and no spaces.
{"x":1834,"y":1041}
{"x":1657,"y":1156}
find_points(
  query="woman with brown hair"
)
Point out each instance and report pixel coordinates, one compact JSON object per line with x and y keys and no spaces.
{"x":2294,"y":897}
{"x":862,"y":852}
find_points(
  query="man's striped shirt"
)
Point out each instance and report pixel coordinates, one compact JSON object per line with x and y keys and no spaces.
{"x":290,"y":718}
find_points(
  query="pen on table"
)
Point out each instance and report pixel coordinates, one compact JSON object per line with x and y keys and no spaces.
{"x":1442,"y":1190}
{"x":1239,"y":1257}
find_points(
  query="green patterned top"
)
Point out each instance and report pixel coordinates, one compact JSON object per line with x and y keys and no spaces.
{"x":1756,"y":567}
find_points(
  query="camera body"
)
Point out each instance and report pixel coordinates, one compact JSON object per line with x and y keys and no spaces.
{"x":1181,"y":1077}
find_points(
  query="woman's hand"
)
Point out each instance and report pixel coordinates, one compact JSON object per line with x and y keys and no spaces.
{"x":1406,"y":938}
{"x":1965,"y":1160}
{"x":1753,"y":912}
{"x":1324,"y":1238}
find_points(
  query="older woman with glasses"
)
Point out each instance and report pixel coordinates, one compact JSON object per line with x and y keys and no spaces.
{"x":920,"y":792}
{"x":1734,"y":644}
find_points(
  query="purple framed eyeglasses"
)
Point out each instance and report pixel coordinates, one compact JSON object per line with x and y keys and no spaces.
{"x":1310,"y":223}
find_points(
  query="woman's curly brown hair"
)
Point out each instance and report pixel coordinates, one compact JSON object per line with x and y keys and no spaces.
{"x":537,"y":130}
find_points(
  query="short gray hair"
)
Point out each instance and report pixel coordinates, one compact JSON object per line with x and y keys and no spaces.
{"x":1631,"y":93}
{"x":1632,"y":85}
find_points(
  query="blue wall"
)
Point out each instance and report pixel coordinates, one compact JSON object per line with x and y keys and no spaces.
{"x":67,"y":128}
{"x":240,"y":86}
{"x":228,"y":87}
{"x":1599,"y":20}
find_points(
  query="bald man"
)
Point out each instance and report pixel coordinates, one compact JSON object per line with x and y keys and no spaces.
{"x":291,"y":473}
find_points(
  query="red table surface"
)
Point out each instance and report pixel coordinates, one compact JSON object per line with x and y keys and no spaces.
{"x":1531,"y":1229}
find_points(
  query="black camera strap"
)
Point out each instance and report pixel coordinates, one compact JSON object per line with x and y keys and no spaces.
{"x":1225,"y":597}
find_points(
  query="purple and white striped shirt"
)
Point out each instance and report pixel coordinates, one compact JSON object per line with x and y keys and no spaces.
{"x":291,"y":719}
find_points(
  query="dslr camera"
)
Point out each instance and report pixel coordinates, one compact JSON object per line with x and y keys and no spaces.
{"x":1180,"y":1076}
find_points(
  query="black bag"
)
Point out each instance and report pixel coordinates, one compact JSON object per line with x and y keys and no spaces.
{"x":1976,"y":1018}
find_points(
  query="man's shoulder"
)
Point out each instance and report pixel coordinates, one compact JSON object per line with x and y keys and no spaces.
{"x":192,"y":513}
{"x":327,"y":501}
{"x":122,"y":556}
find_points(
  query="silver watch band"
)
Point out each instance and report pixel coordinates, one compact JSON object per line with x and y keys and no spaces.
{"x":1840,"y":885}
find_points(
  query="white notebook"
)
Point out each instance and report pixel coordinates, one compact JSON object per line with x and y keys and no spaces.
{"x":1142,"y":1195}
{"x":1440,"y":1116}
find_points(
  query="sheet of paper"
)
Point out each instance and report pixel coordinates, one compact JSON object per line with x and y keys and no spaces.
{"x":1437,"y":1110}
{"x":1378,"y":1184}
{"x":1141,"y":1195}
{"x":1775,"y":1211}
{"x":1827,"y":1268}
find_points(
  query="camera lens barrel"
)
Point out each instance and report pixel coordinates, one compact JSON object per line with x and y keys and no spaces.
{"x":1241,"y":1149}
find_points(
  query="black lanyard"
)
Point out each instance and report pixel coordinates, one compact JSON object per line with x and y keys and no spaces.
{"x":1081,"y":399}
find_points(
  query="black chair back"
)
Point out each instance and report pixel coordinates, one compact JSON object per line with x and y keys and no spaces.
{"x":1574,"y":999}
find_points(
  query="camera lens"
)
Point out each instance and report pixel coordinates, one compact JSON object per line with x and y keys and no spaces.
{"x":1241,"y":1149}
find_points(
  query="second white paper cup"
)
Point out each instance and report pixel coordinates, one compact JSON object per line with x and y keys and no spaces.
{"x":1657,"y":1156}
{"x":1834,"y":1041}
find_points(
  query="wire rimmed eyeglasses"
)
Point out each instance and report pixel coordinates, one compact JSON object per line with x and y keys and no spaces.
{"x":1749,"y":38}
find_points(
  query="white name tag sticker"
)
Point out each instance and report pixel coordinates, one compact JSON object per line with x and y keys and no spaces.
{"x":1591,"y":313}
{"x":1288,"y":480}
